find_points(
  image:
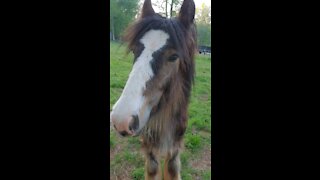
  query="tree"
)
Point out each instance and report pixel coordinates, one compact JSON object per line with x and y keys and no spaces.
{"x":168,"y":8}
{"x":203,"y":14}
{"x":122,"y":12}
{"x":203,"y":21}
{"x":160,"y":6}
{"x":175,"y":7}
{"x":204,"y":34}
{"x":113,"y":13}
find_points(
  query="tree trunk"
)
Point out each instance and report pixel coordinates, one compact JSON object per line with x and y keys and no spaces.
{"x":166,"y":8}
{"x":112,"y":26}
{"x":171,"y":8}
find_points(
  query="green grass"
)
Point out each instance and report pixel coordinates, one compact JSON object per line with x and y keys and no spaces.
{"x":112,"y":140}
{"x":193,"y":142}
{"x":206,"y":175}
{"x":198,"y":134}
{"x":138,"y":174}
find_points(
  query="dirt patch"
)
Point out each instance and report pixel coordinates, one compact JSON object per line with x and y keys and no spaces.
{"x":122,"y":167}
{"x":205,"y":134}
{"x":203,"y":160}
{"x":125,"y":173}
{"x":122,"y":170}
{"x":114,"y":151}
{"x":204,"y":97}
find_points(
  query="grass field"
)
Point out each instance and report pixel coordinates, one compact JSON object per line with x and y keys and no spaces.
{"x":125,"y":155}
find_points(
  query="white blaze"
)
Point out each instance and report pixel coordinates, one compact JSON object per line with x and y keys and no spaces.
{"x":132,"y":97}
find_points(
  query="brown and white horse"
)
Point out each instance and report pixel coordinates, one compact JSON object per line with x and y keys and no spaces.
{"x":155,"y":99}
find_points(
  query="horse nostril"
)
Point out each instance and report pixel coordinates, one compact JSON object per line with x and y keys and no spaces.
{"x":123,"y":133}
{"x":134,"y":124}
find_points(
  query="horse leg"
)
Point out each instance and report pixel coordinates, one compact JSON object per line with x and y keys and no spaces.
{"x":152,"y":166}
{"x":172,"y":166}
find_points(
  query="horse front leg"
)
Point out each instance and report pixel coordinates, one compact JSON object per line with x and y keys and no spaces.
{"x":152,"y":167}
{"x":172,"y":166}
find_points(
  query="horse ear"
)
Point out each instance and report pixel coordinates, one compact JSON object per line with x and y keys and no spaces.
{"x":187,"y":12}
{"x":147,"y":9}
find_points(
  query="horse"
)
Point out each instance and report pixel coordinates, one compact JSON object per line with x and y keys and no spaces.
{"x":154,"y":101}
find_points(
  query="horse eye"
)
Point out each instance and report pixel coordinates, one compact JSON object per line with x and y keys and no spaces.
{"x":173,"y":57}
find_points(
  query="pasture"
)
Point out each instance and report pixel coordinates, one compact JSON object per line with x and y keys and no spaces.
{"x":126,"y":159}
